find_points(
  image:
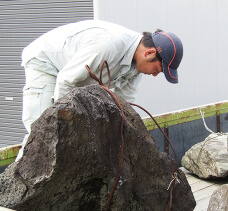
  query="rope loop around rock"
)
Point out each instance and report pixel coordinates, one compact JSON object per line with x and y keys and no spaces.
{"x":205,"y":125}
{"x":122,"y":121}
{"x":174,"y":176}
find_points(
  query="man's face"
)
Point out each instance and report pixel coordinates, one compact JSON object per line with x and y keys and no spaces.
{"x":149,"y":67}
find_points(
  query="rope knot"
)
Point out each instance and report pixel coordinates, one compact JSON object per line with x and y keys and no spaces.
{"x":92,"y":75}
{"x":175,"y":178}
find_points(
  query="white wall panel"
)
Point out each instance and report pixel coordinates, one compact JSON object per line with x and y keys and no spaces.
{"x":222,"y":48}
{"x":202,"y":26}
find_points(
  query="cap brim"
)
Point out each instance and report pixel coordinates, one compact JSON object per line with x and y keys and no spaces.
{"x":170,"y":74}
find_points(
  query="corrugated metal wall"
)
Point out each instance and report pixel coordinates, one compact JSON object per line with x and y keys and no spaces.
{"x":20,"y":23}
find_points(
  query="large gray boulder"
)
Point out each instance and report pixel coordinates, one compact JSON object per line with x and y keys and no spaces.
{"x":219,"y":199}
{"x":72,"y":156}
{"x":209,"y":158}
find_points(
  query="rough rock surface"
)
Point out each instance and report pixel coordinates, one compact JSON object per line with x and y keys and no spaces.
{"x":219,"y":199}
{"x":208,"y":159}
{"x":71,"y":160}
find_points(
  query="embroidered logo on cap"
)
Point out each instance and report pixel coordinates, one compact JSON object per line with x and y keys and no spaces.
{"x":159,"y":49}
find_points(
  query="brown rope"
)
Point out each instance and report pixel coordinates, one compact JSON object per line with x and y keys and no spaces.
{"x":175,"y":169}
{"x":172,"y":183}
{"x":122,"y":122}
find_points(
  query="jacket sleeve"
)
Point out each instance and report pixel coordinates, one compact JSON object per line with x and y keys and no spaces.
{"x":74,"y":71}
{"x":129,"y":91}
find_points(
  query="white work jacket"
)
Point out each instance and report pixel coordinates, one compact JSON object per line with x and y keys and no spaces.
{"x":70,"y":47}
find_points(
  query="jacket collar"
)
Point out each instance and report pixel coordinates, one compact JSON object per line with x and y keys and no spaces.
{"x":128,"y":56}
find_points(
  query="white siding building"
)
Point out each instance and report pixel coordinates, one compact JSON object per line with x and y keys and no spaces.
{"x":202,"y":26}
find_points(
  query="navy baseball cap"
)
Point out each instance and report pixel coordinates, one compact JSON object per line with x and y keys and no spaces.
{"x":170,"y":49}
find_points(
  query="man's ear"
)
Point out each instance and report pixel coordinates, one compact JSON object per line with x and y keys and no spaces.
{"x":151,"y":52}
